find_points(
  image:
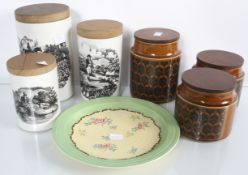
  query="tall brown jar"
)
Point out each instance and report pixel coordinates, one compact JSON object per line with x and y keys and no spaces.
{"x":223,"y":60}
{"x":205,"y":104}
{"x":155,"y":59}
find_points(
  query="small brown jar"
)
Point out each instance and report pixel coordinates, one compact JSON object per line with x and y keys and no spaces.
{"x":155,"y":59}
{"x":205,"y":104}
{"x":226,"y":61}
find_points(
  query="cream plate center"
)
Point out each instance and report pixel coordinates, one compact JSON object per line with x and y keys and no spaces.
{"x":115,"y":134}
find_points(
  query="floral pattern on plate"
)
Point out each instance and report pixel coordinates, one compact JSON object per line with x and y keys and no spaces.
{"x":115,"y":134}
{"x":106,"y":146}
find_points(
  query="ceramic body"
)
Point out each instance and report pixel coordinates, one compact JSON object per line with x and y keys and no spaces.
{"x":100,"y":66}
{"x":204,"y":116}
{"x":51,"y":37}
{"x":125,"y":131}
{"x":225,"y":61}
{"x":154,"y":69}
{"x":237,"y":73}
{"x":36,"y":100}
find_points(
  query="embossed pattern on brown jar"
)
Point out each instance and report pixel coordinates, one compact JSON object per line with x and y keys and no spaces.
{"x":205,"y":104}
{"x":155,"y":59}
{"x":226,"y":61}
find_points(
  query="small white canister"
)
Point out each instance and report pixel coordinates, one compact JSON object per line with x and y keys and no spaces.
{"x":47,"y":28}
{"x":100,"y":49}
{"x":35,"y":89}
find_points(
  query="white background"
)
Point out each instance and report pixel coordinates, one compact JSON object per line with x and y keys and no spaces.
{"x":203,"y":24}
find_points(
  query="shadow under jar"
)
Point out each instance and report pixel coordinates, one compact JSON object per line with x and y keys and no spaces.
{"x":155,"y":59}
{"x":205,"y":104}
{"x":226,"y":61}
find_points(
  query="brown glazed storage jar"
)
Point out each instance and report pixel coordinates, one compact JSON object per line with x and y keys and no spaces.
{"x":226,"y":61}
{"x":155,"y":59}
{"x":205,"y":104}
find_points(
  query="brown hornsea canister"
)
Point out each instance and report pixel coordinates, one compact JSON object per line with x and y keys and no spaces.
{"x":205,"y":104}
{"x":226,"y":61}
{"x":155,"y":59}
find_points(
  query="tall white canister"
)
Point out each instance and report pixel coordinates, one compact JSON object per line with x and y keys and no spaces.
{"x":35,"y":89}
{"x":100,"y":49}
{"x":46,"y":28}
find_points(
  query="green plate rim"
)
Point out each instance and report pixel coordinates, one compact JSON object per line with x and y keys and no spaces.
{"x":169,"y":131}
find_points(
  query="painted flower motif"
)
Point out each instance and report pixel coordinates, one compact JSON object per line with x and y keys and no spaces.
{"x":113,"y":127}
{"x":135,"y":117}
{"x":105,"y":147}
{"x":129,"y":134}
{"x":140,"y":126}
{"x":133,"y":150}
{"x":106,"y":138}
{"x":98,"y":121}
{"x":82,"y":132}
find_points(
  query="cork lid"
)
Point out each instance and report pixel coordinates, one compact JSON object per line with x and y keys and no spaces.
{"x":157,"y":35}
{"x":220,"y":59}
{"x":99,"y":29}
{"x":31,"y":64}
{"x":42,"y":13}
{"x":209,"y":80}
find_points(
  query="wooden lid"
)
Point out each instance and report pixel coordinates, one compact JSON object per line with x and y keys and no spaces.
{"x":42,"y":13}
{"x":31,"y":64}
{"x":99,"y":29}
{"x":209,"y":80}
{"x":157,"y":35}
{"x":220,"y":59}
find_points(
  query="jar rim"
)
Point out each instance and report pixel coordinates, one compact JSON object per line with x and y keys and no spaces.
{"x":42,"y":13}
{"x":157,"y":35}
{"x":99,"y":29}
{"x":210,"y":107}
{"x":209,"y":80}
{"x":31,"y":64}
{"x":220,"y":59}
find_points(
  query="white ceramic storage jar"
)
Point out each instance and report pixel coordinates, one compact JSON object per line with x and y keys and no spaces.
{"x":100,"y":49}
{"x":35,"y":89}
{"x":47,"y":28}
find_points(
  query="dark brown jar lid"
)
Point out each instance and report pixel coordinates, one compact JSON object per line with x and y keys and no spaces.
{"x":42,"y":13}
{"x":99,"y":29}
{"x":31,"y":64}
{"x":220,"y":59}
{"x":157,"y":35}
{"x":209,"y":80}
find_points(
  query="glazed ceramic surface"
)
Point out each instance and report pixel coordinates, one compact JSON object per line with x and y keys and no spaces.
{"x":155,"y":59}
{"x":154,"y":80}
{"x":116,"y":132}
{"x":100,"y":66}
{"x":36,"y":100}
{"x":226,"y":61}
{"x":206,"y":104}
{"x":51,"y":37}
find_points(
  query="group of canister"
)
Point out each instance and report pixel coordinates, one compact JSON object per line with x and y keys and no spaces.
{"x":42,"y":74}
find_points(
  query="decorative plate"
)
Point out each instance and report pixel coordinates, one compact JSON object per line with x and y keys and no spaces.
{"x":115,"y":132}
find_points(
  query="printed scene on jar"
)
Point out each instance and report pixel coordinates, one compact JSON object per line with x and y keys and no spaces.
{"x":36,"y":104}
{"x":99,"y":71}
{"x":59,"y":49}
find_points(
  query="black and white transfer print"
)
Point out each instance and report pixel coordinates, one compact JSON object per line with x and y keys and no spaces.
{"x":36,"y":105}
{"x":99,"y":72}
{"x":60,"y":51}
